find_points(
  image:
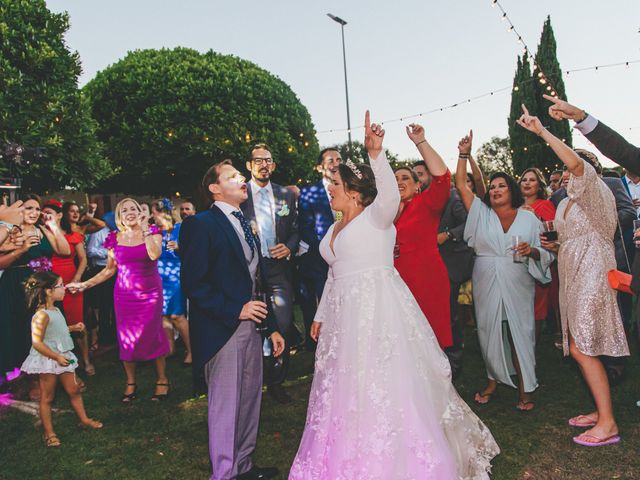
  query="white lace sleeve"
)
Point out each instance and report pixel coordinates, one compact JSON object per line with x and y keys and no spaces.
{"x":384,"y":208}
{"x":322,"y":309}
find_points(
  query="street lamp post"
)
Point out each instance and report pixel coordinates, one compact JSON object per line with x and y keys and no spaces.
{"x":346,"y":86}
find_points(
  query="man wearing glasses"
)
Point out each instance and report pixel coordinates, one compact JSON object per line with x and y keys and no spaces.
{"x":271,"y":210}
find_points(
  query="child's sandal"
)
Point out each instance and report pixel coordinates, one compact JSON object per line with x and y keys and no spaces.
{"x":91,"y":423}
{"x":52,"y":440}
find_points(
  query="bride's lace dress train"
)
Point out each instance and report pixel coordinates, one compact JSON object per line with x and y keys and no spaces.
{"x":382,"y":405}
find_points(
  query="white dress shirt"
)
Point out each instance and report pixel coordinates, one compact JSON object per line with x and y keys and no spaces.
{"x":252,"y":260}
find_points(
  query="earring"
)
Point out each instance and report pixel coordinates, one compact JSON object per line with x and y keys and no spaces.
{"x":355,"y":201}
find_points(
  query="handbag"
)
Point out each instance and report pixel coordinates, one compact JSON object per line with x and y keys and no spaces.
{"x":619,"y":280}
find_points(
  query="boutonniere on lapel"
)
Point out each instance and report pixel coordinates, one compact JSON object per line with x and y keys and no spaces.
{"x":284,"y":211}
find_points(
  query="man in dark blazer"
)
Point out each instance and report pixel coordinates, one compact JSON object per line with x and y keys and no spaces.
{"x":458,"y":258}
{"x":271,"y":210}
{"x":612,"y":145}
{"x":221,"y":262}
{"x":315,"y":218}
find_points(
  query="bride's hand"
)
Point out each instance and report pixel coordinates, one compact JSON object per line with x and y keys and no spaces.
{"x":315,"y":330}
{"x":373,"y":136}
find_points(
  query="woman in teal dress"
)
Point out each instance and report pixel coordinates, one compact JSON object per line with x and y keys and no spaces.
{"x":42,"y":237}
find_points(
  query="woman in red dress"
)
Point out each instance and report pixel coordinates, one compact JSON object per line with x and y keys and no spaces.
{"x":534,"y":190}
{"x":417,"y":257}
{"x":66,"y":267}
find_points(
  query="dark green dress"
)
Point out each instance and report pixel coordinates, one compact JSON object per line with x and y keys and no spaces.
{"x":15,"y":321}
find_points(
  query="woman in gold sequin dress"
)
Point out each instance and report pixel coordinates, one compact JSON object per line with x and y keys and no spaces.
{"x":591,"y":322}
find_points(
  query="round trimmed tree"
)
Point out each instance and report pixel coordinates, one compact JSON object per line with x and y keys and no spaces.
{"x":166,"y":115}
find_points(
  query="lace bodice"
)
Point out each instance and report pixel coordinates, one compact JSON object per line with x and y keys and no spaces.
{"x":367,"y":242}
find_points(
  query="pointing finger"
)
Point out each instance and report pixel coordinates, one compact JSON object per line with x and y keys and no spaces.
{"x":367,"y":121}
{"x":552,"y":99}
{"x":524,"y":109}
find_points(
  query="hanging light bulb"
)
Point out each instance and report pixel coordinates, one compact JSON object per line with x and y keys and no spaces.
{"x":543,"y":81}
{"x":504,"y":17}
{"x":515,"y":89}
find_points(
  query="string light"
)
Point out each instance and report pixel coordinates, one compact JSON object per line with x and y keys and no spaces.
{"x":520,"y":40}
{"x":540,"y":77}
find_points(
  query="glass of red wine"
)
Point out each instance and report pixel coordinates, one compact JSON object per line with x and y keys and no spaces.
{"x":549,"y":231}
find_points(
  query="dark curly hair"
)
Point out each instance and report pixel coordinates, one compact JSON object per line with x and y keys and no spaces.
{"x":365,"y":186}
{"x":512,"y":185}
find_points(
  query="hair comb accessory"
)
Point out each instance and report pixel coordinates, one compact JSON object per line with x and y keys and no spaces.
{"x":166,"y":204}
{"x":352,"y":166}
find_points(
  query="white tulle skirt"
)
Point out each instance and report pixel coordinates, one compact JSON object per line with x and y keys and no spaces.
{"x":382,"y":405}
{"x":38,"y":363}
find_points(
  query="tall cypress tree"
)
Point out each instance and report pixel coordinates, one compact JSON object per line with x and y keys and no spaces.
{"x":547,"y":60}
{"x":522,"y":142}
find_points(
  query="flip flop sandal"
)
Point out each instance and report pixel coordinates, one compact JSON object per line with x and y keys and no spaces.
{"x":599,"y":442}
{"x":522,"y":406}
{"x":488,"y":396}
{"x":582,"y":421}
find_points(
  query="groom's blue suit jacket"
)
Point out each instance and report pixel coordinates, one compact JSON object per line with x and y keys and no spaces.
{"x":215,"y":277}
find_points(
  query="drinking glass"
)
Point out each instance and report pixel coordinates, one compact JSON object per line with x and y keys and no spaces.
{"x":550,"y":232}
{"x":260,"y":297}
{"x":515,"y":241}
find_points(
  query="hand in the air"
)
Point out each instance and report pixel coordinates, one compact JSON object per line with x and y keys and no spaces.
{"x":530,"y":122}
{"x":464,"y":145}
{"x":373,"y":136}
{"x":562,"y":110}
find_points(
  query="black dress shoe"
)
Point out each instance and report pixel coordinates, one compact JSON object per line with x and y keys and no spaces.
{"x":257,"y":473}
{"x":278,"y":393}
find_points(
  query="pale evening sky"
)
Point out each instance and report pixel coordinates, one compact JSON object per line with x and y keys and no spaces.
{"x":403,"y":57}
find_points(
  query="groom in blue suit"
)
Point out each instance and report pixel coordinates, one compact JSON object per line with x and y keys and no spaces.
{"x":220,"y":271}
{"x":314,"y":219}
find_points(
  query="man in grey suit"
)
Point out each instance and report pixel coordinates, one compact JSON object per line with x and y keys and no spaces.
{"x":221,"y":268}
{"x":272,"y":210}
{"x":458,"y":258}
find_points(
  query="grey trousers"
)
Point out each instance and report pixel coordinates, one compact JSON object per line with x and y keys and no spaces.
{"x":234,"y":383}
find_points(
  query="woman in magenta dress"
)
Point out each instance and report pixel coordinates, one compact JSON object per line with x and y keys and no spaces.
{"x":417,"y":257}
{"x":534,"y":191}
{"x":133,"y":254}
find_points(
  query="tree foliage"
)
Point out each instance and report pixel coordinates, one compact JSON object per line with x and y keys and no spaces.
{"x":40,"y":104}
{"x":167,"y":115}
{"x":528,"y":87}
{"x":495,"y":156}
{"x":359,"y":154}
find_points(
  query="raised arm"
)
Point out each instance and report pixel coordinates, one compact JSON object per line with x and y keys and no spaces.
{"x":385,"y":207}
{"x":565,"y":154}
{"x":478,"y":176}
{"x":55,"y":235}
{"x":466,"y":194}
{"x":435,"y":164}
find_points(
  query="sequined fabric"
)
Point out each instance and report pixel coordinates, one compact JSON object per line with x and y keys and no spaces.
{"x":586,"y":222}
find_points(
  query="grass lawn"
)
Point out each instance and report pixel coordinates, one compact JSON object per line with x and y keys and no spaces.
{"x":169,"y":440}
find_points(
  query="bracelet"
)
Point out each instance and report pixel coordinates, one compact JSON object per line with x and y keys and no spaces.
{"x":422,"y":141}
{"x":464,"y":155}
{"x":8,"y":226}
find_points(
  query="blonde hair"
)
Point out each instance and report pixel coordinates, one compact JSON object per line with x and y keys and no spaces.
{"x":166,"y":214}
{"x":119,"y":222}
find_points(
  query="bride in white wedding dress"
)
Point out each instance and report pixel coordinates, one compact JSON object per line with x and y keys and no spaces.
{"x":382,"y":405}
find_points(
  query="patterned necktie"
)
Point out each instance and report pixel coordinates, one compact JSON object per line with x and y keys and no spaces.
{"x":248,"y":236}
{"x":264,"y":217}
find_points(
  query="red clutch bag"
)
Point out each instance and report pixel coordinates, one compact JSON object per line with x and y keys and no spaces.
{"x":620,"y":281}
